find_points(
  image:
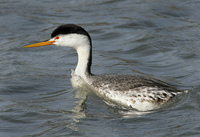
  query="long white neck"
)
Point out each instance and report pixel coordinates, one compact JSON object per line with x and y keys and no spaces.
{"x":84,"y":61}
{"x":82,"y":44}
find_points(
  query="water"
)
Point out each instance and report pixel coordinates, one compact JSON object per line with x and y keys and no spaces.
{"x":145,"y":37}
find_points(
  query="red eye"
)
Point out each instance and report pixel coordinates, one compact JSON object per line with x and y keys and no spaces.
{"x":57,"y":37}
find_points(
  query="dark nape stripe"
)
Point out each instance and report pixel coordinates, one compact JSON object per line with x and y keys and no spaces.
{"x":74,"y":29}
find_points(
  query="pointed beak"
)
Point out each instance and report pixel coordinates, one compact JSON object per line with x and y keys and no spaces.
{"x":45,"y":43}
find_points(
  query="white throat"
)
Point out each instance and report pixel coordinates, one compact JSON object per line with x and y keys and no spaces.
{"x":81,"y":44}
{"x":82,"y":67}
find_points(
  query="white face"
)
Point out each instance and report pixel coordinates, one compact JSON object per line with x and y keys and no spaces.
{"x":71,"y":40}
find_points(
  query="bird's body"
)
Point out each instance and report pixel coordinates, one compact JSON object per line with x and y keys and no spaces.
{"x":130,"y":91}
{"x":139,"y":92}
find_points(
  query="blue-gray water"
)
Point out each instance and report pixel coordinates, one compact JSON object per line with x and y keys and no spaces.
{"x":145,"y":37}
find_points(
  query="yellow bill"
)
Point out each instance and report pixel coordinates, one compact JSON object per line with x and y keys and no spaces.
{"x":39,"y":44}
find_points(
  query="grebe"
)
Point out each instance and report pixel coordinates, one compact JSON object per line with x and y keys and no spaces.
{"x":138,"y":92}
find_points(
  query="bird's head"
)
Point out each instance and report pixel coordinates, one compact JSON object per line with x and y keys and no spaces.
{"x":68,"y":35}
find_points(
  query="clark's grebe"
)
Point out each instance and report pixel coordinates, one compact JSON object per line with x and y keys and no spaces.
{"x":139,"y":92}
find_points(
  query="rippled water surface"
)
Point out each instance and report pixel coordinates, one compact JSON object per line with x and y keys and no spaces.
{"x":144,"y":37}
